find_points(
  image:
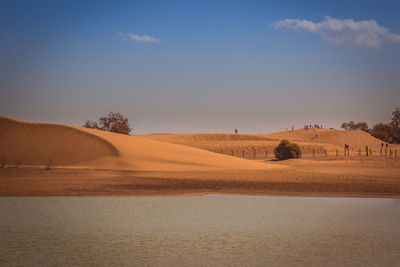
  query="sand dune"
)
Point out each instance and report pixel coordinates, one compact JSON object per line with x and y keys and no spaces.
{"x":208,"y":137}
{"x":102,"y":163}
{"x":25,"y":143}
{"x":320,"y":141}
{"x":357,"y":139}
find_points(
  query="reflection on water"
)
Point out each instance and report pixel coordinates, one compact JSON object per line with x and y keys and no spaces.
{"x":201,"y":231}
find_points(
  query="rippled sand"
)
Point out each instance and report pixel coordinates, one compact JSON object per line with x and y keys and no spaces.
{"x":200,"y":231}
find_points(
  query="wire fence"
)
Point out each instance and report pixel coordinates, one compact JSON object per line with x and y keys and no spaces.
{"x":258,"y":154}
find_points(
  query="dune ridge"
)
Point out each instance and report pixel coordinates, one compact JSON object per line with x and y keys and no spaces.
{"x":29,"y":143}
{"x":26,"y":143}
{"x":357,"y":139}
{"x":209,"y":137}
{"x":319,"y":141}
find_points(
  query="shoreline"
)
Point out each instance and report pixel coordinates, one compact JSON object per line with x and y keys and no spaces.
{"x":209,"y":194}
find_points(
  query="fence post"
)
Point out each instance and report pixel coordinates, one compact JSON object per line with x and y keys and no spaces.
{"x":366,"y":151}
{"x":370,"y":152}
{"x":359,"y":152}
{"x":337,"y":152}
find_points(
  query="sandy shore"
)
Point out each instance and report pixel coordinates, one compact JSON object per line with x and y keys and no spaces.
{"x":351,"y":178}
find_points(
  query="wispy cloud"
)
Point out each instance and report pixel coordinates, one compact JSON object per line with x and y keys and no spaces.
{"x":137,"y":38}
{"x":347,"y":32}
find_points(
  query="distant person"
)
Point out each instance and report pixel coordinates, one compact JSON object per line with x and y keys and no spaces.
{"x":236,"y":131}
{"x":292,"y":128}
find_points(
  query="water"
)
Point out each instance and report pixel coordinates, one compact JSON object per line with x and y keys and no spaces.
{"x":199,"y":231}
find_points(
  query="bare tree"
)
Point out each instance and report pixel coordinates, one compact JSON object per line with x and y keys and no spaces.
{"x":361,"y":126}
{"x":396,"y":118}
{"x":91,"y":124}
{"x":114,"y":122}
{"x":351,"y":125}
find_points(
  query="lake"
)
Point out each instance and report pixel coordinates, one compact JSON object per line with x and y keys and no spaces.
{"x":212,"y":230}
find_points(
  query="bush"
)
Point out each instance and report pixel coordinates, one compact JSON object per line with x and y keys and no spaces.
{"x":396,"y":118}
{"x":351,"y":125}
{"x":91,"y":125}
{"x":287,"y":150}
{"x":114,"y":122}
{"x":386,"y":132}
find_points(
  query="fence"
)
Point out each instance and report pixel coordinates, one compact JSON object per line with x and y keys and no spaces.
{"x":257,"y":153}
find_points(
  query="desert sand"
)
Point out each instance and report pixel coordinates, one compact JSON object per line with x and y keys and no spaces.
{"x":321,"y":141}
{"x":42,"y":144}
{"x":39,"y":159}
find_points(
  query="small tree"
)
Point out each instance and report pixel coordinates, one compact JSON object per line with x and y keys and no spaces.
{"x":351,"y":125}
{"x":396,"y":118}
{"x":91,"y":124}
{"x":386,"y":132}
{"x":287,"y":150}
{"x":361,"y":126}
{"x":114,"y":122}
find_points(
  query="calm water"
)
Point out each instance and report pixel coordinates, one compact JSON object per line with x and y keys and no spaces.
{"x":199,"y":231}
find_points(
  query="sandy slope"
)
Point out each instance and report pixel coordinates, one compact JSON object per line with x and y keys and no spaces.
{"x":103,"y":163}
{"x":26,"y":143}
{"x":317,"y":140}
{"x":41,"y":144}
{"x":357,"y":139}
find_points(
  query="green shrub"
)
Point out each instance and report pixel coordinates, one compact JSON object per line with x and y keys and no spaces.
{"x":287,"y":150}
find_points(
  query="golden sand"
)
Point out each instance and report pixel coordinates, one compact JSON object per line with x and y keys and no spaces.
{"x":47,"y":159}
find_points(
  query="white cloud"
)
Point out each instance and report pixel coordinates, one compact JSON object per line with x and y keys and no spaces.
{"x":137,"y":38}
{"x":347,"y":32}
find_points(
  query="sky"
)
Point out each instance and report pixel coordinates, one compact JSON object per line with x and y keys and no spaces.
{"x":201,"y":66}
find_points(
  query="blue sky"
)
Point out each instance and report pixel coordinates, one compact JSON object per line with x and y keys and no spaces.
{"x":200,"y":66}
